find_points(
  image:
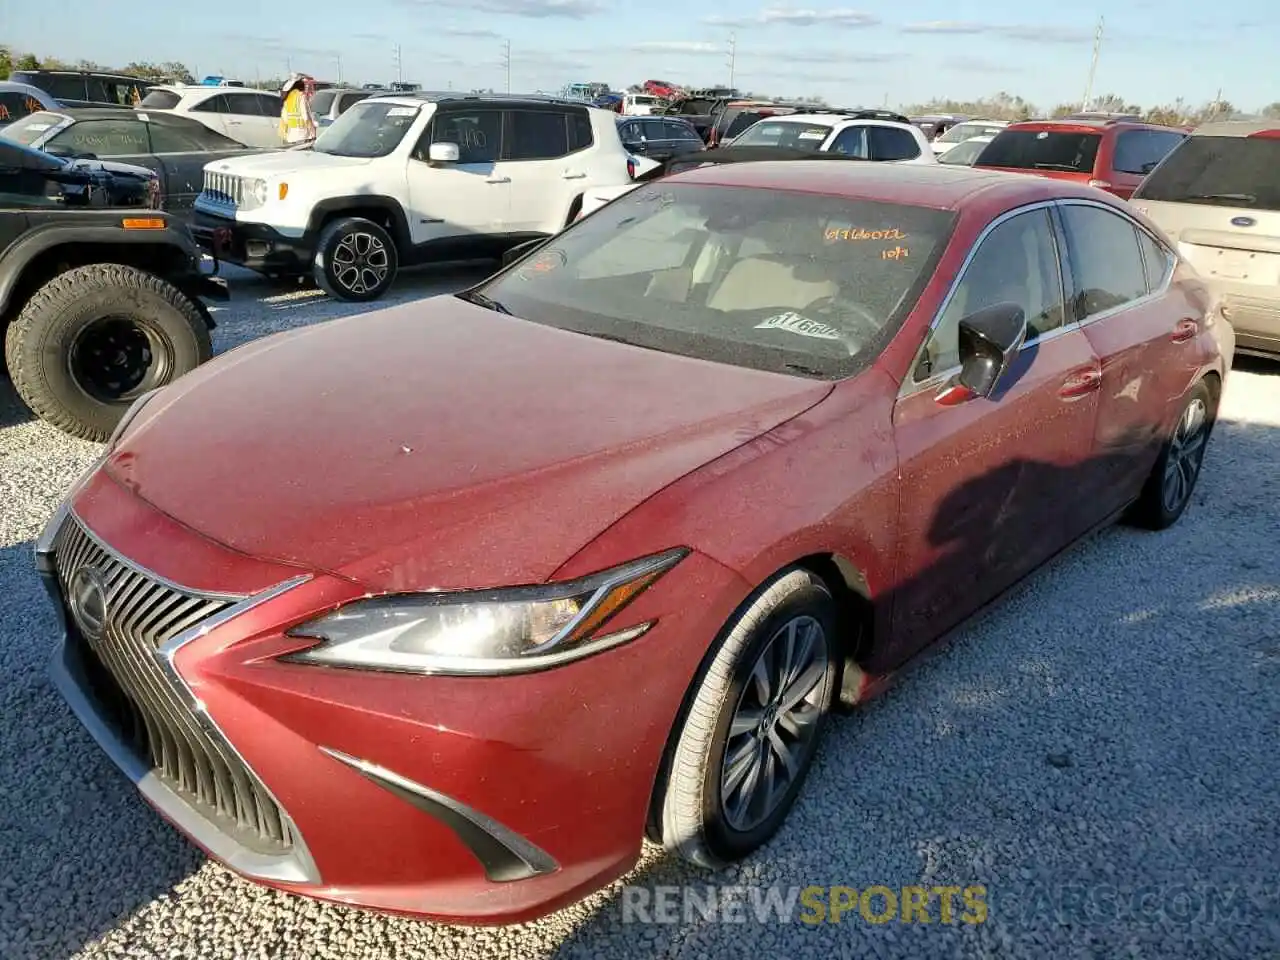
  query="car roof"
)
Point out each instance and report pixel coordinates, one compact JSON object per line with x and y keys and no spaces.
{"x":1236,"y":128}
{"x":1083,"y":124}
{"x":926,"y":185}
{"x":116,"y":113}
{"x":419,"y":97}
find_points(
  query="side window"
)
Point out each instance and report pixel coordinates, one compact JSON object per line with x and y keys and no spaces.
{"x":104,"y":138}
{"x":852,"y":142}
{"x":1105,"y":259}
{"x":1156,"y":261}
{"x":679,"y":131}
{"x":270,"y":104}
{"x":244,"y":104}
{"x":15,"y":106}
{"x":580,"y":136}
{"x":538,"y":135}
{"x":216,"y":104}
{"x":478,"y":134}
{"x":1139,"y":151}
{"x":1018,"y":263}
{"x":63,"y":87}
{"x":890,"y":143}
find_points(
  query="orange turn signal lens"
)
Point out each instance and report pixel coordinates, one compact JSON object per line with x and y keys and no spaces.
{"x":143,"y":223}
{"x":284,"y":190}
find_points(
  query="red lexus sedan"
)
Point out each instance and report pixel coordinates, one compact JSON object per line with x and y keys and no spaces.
{"x":442,"y":609}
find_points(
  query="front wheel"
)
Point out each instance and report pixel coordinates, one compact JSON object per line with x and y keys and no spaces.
{"x":758,"y":712}
{"x":1168,"y":489}
{"x":356,"y":260}
{"x":94,"y":339}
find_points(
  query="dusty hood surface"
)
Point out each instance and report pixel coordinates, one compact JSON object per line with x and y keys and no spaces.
{"x":437,"y":444}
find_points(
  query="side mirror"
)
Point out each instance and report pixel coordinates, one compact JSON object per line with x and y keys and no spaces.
{"x":443,"y":153}
{"x":989,"y":342}
{"x":520,"y":249}
{"x":57,"y":150}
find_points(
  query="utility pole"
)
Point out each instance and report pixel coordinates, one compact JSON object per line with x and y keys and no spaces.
{"x":1093,"y":66}
{"x":288,"y":66}
{"x":399,"y":72}
{"x":338,"y":57}
{"x":733,"y":56}
{"x":506,"y":62}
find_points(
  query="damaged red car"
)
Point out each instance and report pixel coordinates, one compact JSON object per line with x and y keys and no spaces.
{"x":442,"y":609}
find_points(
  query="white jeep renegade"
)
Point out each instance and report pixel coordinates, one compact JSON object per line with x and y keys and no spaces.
{"x":409,"y":178}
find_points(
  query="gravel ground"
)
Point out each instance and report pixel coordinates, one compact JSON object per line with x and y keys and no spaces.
{"x":1097,"y":752}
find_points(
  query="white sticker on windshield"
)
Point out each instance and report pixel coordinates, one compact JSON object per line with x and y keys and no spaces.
{"x":813,"y":135}
{"x":142,"y":116}
{"x":38,"y":127}
{"x":792,"y":322}
{"x":402,"y":111}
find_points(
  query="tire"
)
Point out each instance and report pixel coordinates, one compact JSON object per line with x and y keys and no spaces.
{"x":1173,"y":478}
{"x":356,"y":260}
{"x":53,"y":345}
{"x":697,"y":822}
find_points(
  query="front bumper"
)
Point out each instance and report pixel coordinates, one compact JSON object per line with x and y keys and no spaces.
{"x":254,"y":246}
{"x":465,"y":799}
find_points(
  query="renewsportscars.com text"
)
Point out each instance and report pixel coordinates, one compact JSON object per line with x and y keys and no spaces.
{"x":812,"y":905}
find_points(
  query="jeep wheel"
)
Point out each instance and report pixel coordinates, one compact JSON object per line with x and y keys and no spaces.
{"x":356,"y":260}
{"x":93,"y":339}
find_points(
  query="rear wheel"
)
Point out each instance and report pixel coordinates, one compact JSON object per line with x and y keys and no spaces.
{"x":753,"y":727}
{"x":1168,"y":489}
{"x":356,"y":260}
{"x":94,"y":339}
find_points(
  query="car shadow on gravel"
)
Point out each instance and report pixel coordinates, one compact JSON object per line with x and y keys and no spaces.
{"x":12,"y":410}
{"x":1111,"y":721}
{"x":1100,"y":762}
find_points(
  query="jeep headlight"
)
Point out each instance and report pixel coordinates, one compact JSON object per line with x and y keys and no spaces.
{"x":255,"y":193}
{"x":487,"y":632}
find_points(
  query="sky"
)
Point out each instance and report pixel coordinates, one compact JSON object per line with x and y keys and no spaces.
{"x":875,"y":54}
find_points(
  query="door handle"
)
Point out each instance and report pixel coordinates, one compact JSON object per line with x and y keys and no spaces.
{"x":498,"y":180}
{"x":1081,"y":383}
{"x":573,"y":176}
{"x":1185,"y":330}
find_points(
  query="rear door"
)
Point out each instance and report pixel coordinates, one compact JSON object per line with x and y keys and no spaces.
{"x":544,"y":173}
{"x":254,"y":118}
{"x":1218,"y":200}
{"x":1143,"y":329}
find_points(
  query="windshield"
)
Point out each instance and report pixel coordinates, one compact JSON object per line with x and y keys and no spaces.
{"x":796,"y":283}
{"x":1068,"y":151}
{"x":367,"y":130}
{"x":964,"y":154}
{"x":160,"y":100}
{"x":780,"y":133}
{"x":963,"y":131}
{"x":32,"y":127}
{"x":1218,"y":171}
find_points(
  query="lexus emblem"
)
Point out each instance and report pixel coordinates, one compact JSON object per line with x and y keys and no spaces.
{"x":87,"y":598}
{"x":1243,"y":221}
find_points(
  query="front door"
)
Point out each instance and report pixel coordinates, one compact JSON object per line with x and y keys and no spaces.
{"x":460,"y":205}
{"x":988,"y":487}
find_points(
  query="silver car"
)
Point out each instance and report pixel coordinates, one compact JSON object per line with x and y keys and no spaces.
{"x":1217,"y":196}
{"x":329,"y":104}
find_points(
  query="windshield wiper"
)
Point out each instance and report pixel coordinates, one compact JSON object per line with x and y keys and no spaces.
{"x":802,"y":369}
{"x":1241,"y":197}
{"x":480,"y":300}
{"x":1066,"y":167}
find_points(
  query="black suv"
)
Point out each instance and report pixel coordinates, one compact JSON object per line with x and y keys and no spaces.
{"x":99,"y":290}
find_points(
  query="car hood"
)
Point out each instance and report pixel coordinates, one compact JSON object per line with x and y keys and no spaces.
{"x":436,"y":445}
{"x":283,"y":163}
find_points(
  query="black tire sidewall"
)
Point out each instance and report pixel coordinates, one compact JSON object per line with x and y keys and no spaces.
{"x":60,"y":312}
{"x":723,"y":841}
{"x":1151,"y":507}
{"x":330,"y":237}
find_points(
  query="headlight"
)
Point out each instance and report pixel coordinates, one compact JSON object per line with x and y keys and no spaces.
{"x":483,"y":632}
{"x":255,"y":193}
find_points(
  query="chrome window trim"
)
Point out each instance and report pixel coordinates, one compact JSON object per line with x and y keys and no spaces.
{"x":910,"y":388}
{"x":296,"y":866}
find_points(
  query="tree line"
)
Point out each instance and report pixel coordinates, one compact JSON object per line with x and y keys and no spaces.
{"x":172,"y":70}
{"x":1178,"y":112}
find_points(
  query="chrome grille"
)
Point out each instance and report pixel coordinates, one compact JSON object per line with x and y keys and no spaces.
{"x":149,"y":706}
{"x":224,"y":188}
